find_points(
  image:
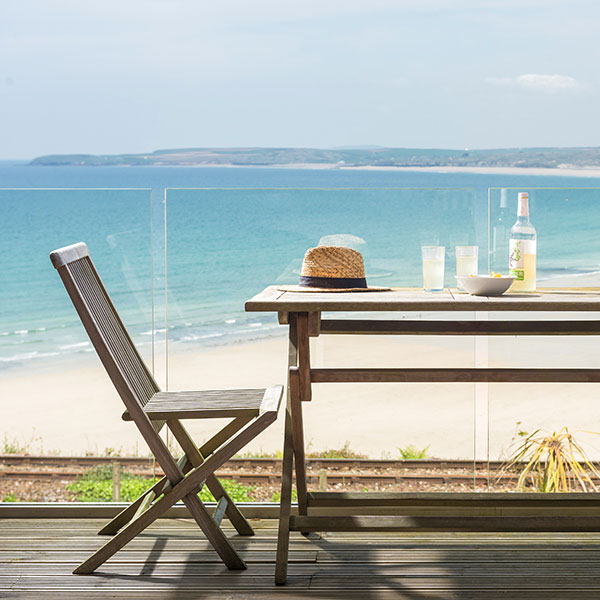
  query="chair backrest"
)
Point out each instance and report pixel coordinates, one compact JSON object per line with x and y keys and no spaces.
{"x":106,"y":331}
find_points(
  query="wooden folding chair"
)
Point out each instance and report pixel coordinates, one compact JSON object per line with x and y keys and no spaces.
{"x":252,"y":410}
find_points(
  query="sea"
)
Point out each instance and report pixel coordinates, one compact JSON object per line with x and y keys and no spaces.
{"x":180,"y":249}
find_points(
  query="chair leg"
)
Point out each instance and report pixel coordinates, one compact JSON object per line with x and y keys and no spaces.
{"x":126,"y":534}
{"x":233,"y":513}
{"x":214,"y":533}
{"x":198,"y":511}
{"x":128,"y":513}
{"x":162,"y":486}
{"x":181,"y":490}
{"x":196,"y":457}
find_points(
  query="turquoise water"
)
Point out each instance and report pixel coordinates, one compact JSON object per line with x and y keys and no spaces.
{"x":225,"y":245}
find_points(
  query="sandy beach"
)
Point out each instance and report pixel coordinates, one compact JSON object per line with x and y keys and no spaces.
{"x":565,"y":171}
{"x":560,"y":171}
{"x":77,"y":410}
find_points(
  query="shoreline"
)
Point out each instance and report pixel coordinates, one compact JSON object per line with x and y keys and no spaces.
{"x":567,"y":171}
{"x":47,"y":364}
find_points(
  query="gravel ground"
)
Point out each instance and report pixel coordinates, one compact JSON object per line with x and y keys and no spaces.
{"x":56,"y":490}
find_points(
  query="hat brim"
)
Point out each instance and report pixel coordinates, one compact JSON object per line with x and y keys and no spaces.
{"x":297,"y":288}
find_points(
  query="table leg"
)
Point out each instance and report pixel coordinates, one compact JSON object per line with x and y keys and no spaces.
{"x":285,"y":501}
{"x":293,"y":442}
{"x":300,"y":391}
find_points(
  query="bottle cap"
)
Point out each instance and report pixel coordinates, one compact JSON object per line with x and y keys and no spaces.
{"x":523,"y":206}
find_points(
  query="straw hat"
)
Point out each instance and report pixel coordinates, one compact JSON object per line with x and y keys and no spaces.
{"x":332,"y":269}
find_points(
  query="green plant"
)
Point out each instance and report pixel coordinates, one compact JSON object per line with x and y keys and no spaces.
{"x":237,"y":491}
{"x":344,"y":452}
{"x":13,"y":446}
{"x":260,"y":454}
{"x":411,"y":452}
{"x":9,"y":498}
{"x":553,"y":463}
{"x":95,"y":485}
{"x":276,"y":496}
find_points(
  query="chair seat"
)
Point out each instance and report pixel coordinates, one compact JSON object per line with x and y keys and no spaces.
{"x":204,"y":404}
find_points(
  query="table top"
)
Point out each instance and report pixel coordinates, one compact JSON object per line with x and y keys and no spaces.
{"x":273,"y":298}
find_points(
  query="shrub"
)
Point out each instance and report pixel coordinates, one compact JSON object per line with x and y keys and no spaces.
{"x":553,"y":463}
{"x":96,"y":486}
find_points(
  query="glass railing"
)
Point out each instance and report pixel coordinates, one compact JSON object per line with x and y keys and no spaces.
{"x":55,"y":394}
{"x":568,"y":255}
{"x":180,"y":263}
{"x":226,"y":245}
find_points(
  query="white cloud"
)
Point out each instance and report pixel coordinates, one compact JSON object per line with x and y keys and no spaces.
{"x":547,"y":83}
{"x":538,"y":82}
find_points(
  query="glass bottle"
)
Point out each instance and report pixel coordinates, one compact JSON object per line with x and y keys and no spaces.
{"x":522,"y":249}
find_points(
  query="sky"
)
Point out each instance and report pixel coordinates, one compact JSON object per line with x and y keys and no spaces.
{"x":121,"y":76}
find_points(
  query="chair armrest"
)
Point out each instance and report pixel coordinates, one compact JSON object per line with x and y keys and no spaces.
{"x":272,"y":399}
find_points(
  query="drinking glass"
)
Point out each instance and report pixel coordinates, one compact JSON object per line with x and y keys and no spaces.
{"x":433,"y":268}
{"x":466,"y":260}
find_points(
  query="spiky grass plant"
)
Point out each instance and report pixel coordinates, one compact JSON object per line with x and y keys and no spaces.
{"x":553,"y":463}
{"x":411,"y":452}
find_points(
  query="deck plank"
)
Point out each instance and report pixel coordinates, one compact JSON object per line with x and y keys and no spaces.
{"x":173,"y":560}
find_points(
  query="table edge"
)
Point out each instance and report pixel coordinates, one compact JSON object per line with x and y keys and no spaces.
{"x":447,"y":301}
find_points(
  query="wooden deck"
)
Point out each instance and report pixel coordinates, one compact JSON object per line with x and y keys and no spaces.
{"x":173,"y":560}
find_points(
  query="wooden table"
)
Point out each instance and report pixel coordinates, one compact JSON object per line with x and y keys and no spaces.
{"x":302,"y":312}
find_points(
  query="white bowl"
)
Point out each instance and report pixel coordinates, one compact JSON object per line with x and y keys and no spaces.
{"x":485,"y":285}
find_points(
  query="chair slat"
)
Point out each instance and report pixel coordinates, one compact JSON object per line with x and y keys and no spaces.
{"x":114,"y":334}
{"x":138,"y":371}
{"x":206,"y":404}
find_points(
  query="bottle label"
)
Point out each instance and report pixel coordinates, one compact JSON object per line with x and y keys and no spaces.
{"x":516,"y":261}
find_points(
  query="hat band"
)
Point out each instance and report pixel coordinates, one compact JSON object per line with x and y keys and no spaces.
{"x":332,"y":282}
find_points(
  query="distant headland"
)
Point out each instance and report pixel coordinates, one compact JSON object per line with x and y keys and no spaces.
{"x":360,"y":157}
